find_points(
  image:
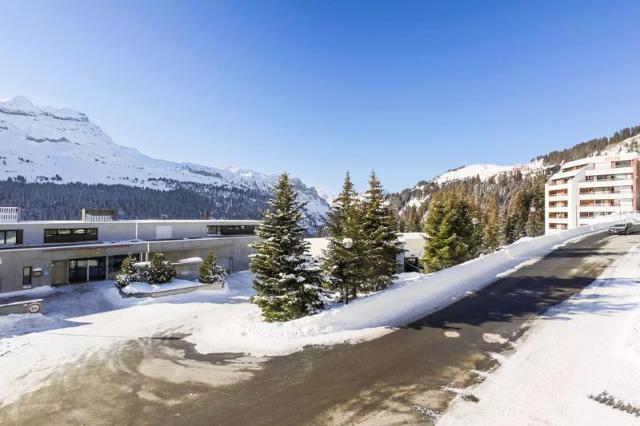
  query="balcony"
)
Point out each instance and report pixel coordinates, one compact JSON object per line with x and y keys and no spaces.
{"x":605,"y":183}
{"x":608,"y":196}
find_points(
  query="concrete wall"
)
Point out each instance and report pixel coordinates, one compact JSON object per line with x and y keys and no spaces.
{"x":233,"y":253}
{"x":33,"y":232}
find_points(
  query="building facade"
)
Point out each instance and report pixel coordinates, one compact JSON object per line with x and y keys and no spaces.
{"x":591,"y":188}
{"x":36,"y":253}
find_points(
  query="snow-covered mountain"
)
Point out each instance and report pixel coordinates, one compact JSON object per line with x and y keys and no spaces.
{"x":61,"y":145}
{"x":483,"y":171}
{"x":420,"y":193}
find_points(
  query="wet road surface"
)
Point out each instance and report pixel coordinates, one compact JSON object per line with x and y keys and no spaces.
{"x":406,"y":377}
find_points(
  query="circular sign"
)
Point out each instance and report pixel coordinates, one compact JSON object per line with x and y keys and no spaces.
{"x":33,"y":308}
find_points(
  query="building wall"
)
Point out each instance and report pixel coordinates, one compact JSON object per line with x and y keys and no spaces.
{"x":233,"y":253}
{"x":609,"y":195}
{"x":122,"y":230}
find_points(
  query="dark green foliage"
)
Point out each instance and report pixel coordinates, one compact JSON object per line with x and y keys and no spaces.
{"x":210,"y":272}
{"x":183,"y":200}
{"x":287,"y":282}
{"x":128,"y":272}
{"x":344,"y":259}
{"x":452,"y":236}
{"x":380,"y":238}
{"x":160,"y":271}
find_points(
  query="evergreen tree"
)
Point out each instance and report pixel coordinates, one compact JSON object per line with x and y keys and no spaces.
{"x":492,"y":237}
{"x":517,"y":215}
{"x":160,"y":270}
{"x":128,"y":272}
{"x":286,"y":283}
{"x":210,"y":272}
{"x":451,"y":234}
{"x":535,"y":220}
{"x":380,"y":244}
{"x":344,"y":258}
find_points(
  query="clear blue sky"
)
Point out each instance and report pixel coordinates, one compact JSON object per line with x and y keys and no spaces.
{"x":409,"y":89}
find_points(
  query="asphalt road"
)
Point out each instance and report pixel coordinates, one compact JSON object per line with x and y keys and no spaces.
{"x":405,"y":377}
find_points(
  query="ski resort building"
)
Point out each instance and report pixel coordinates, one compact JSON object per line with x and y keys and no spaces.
{"x":37,"y":253}
{"x":586,"y":190}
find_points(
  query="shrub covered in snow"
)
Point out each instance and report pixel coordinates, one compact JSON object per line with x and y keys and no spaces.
{"x":160,"y":271}
{"x":128,"y":272}
{"x":211,"y":272}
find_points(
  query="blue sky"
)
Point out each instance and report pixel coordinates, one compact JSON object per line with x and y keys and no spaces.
{"x":409,"y":89}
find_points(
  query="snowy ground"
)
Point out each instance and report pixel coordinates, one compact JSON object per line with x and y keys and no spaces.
{"x":580,"y":365}
{"x":146,"y":288}
{"x":84,"y":319}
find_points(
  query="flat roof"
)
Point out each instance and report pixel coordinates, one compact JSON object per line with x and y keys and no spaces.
{"x":139,"y":221}
{"x":114,"y":243}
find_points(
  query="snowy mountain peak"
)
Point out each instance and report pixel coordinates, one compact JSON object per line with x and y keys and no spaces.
{"x":17,"y":102}
{"x":21,"y":106}
{"x":61,"y":145}
{"x":484,"y":171}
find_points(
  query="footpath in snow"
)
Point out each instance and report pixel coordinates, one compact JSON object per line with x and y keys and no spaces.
{"x":579,"y":365}
{"x":80,"y":320}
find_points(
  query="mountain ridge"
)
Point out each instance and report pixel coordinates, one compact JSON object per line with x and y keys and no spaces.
{"x":42,"y":144}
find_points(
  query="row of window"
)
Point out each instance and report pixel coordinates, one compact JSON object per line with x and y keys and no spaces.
{"x":70,"y":235}
{"x":600,"y":178}
{"x":607,"y":190}
{"x":231,"y":229}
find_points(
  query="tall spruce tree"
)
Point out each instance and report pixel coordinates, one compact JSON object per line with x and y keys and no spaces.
{"x":452,"y":237}
{"x":491,"y":231}
{"x":287,"y":284}
{"x":535,"y":221}
{"x":343,"y":259}
{"x":380,"y":244}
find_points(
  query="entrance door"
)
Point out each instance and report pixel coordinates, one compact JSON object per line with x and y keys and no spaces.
{"x":97,"y":268}
{"x":78,"y":271}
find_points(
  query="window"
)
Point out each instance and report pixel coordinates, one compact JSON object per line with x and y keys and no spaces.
{"x":26,"y":277}
{"x":70,"y":235}
{"x":231,"y":229}
{"x":11,"y":237}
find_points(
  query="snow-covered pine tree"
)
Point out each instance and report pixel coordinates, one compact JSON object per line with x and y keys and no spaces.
{"x":380,"y":244}
{"x":128,"y":272}
{"x":343,"y":259}
{"x":452,"y":236}
{"x":286,"y":283}
{"x":210,"y":272}
{"x":160,"y":271}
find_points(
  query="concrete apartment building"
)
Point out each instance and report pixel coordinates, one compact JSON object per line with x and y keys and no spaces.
{"x":36,"y":253}
{"x":585,"y":190}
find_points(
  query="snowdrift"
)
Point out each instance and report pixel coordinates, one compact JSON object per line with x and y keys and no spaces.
{"x":412,"y":297}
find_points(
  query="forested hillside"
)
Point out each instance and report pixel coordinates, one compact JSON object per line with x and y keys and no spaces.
{"x":510,"y":204}
{"x":56,"y":201}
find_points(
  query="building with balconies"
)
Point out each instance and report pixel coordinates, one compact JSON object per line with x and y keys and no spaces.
{"x":585,"y":190}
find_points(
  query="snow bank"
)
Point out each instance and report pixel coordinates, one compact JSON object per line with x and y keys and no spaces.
{"x":581,"y":349}
{"x":412,"y":297}
{"x":146,"y":288}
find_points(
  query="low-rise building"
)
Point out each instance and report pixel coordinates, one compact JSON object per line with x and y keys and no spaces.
{"x":586,"y":190}
{"x":36,"y":253}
